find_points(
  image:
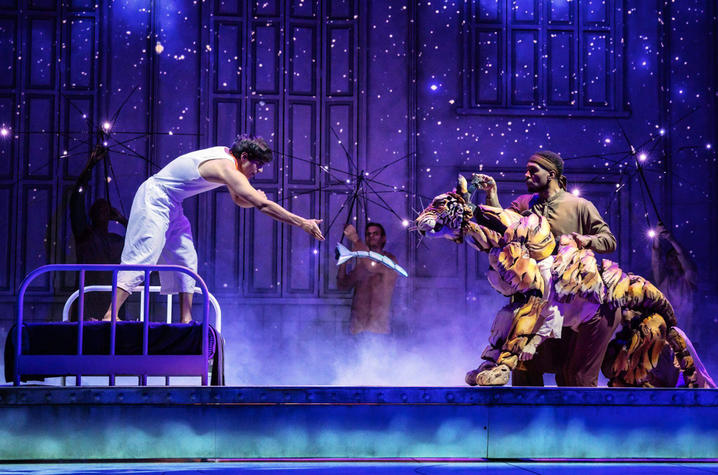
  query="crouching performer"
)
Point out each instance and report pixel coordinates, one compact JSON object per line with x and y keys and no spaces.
{"x":547,"y":290}
{"x":158,"y":230}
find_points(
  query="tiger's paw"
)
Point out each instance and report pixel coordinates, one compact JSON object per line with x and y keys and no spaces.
{"x":470,"y":377}
{"x":496,"y":376}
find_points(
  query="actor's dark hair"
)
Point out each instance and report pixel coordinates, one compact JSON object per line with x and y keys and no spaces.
{"x":381,"y":228}
{"x":255,"y":147}
{"x":556,"y":159}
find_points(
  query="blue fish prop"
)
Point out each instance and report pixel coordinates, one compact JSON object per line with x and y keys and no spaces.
{"x":345,"y":254}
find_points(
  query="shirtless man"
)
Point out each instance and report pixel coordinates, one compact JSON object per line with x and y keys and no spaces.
{"x":158,"y":230}
{"x":373,"y":283}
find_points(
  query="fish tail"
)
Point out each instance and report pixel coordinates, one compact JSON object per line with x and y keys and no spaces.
{"x":344,"y":254}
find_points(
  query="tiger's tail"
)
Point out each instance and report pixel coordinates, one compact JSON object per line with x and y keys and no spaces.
{"x":635,"y":293}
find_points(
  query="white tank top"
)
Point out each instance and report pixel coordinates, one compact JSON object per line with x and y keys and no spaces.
{"x":180,"y":178}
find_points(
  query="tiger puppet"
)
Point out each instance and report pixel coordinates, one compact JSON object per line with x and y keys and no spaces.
{"x":548,"y":288}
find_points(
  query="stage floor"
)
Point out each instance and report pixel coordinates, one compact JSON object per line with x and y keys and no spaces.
{"x":43,"y":424}
{"x":335,"y":468}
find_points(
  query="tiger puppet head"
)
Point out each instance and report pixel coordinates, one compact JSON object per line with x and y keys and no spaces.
{"x":514,"y":242}
{"x":446,"y":217}
{"x":450,"y":216}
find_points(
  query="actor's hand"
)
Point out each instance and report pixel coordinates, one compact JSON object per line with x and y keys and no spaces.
{"x":662,"y":232}
{"x":583,"y":242}
{"x":311,"y":226}
{"x":483,"y":182}
{"x":351,"y":233}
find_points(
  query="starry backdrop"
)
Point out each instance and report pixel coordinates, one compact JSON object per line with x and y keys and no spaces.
{"x":391,"y":97}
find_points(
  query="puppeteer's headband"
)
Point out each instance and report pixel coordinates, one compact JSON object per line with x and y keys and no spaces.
{"x":545,"y":164}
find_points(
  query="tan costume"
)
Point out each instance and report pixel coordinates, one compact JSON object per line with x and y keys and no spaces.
{"x":576,"y":358}
{"x":566,"y":214}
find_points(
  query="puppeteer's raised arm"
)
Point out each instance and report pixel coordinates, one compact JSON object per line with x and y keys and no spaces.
{"x":487,"y":184}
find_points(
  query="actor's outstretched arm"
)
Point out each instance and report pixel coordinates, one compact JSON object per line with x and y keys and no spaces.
{"x":223,"y":171}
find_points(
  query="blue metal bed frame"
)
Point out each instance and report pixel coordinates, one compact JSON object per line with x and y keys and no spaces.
{"x":111,"y":365}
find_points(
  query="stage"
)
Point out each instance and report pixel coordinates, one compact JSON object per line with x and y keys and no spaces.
{"x":380,"y":424}
{"x":353,"y":467}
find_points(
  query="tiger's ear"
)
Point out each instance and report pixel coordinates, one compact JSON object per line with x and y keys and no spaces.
{"x":461,"y":186}
{"x":462,"y":189}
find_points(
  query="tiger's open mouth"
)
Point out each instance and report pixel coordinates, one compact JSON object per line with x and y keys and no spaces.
{"x":434,"y":230}
{"x":428,"y":225}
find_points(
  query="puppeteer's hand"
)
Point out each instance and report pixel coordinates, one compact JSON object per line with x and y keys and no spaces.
{"x":662,"y":232}
{"x":582,"y":241}
{"x":529,"y":349}
{"x":115,"y":215}
{"x":483,"y":182}
{"x":311,"y":226}
{"x":98,"y":153}
{"x":351,"y":233}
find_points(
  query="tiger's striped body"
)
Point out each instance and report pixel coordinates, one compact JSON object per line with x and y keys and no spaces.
{"x":518,"y":248}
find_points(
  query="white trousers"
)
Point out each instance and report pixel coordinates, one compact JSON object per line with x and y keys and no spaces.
{"x":157,"y":232}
